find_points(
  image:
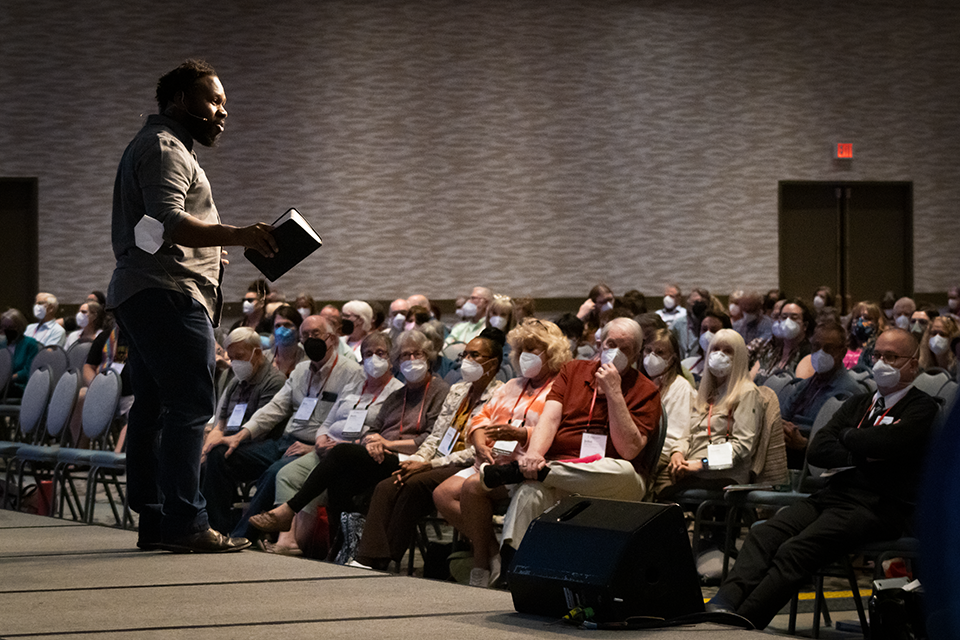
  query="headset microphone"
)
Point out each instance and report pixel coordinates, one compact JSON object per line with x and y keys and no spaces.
{"x":196,"y":116}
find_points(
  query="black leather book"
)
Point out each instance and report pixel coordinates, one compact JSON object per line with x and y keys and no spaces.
{"x":296,"y":240}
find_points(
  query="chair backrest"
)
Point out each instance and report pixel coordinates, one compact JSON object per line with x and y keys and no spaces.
{"x":823,"y":417}
{"x":931,"y":382}
{"x":34,"y":403}
{"x":651,"y":453}
{"x":54,"y":358}
{"x":6,"y":371}
{"x":778,"y":381}
{"x":77,"y":354}
{"x":452,"y":351}
{"x":100,"y":405}
{"x":769,"y":464}
{"x":62,"y":403}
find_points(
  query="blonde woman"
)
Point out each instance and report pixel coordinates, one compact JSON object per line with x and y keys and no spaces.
{"x":718,"y":448}
{"x":935,"y":351}
{"x":538,"y":350}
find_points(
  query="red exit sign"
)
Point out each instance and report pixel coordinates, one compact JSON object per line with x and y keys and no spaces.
{"x":843,"y":151}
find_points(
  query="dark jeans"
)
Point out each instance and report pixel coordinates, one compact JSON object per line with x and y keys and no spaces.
{"x":780,"y":554}
{"x":346,"y":471}
{"x":171,"y":361}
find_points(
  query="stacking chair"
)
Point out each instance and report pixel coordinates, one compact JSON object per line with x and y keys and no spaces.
{"x":32,"y":410}
{"x":7,"y":409}
{"x":932,"y":381}
{"x":42,"y":456}
{"x":77,"y":354}
{"x":53,"y":357}
{"x":778,"y":381}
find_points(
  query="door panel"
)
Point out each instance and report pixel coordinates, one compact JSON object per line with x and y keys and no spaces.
{"x":18,"y":244}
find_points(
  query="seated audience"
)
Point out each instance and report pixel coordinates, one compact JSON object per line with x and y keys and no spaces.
{"x":650,"y":323}
{"x":90,"y":320}
{"x":500,"y":313}
{"x":783,"y":352}
{"x":733,"y":308}
{"x":47,"y":331}
{"x":866,"y":325}
{"x":475,"y":317}
{"x":255,"y":313}
{"x":349,"y":420}
{"x":935,"y":350}
{"x":718,"y":448}
{"x":598,"y":419}
{"x":22,"y":350}
{"x":635,"y":301}
{"x":688,"y":331}
{"x":256,"y":452}
{"x":401,"y":500}
{"x":287,"y":352}
{"x":305,"y":304}
{"x":332,"y":314}
{"x":823,"y":300}
{"x":539,"y":350}
{"x":599,"y":299}
{"x":921,"y":319}
{"x":903,"y":310}
{"x":712,"y":323}
{"x":397,"y":317}
{"x":672,"y":310}
{"x":349,"y":469}
{"x":523,"y":308}
{"x":753,"y":323}
{"x":801,"y":400}
{"x":877,"y":445}
{"x":357,"y":322}
{"x":107,"y":351}
{"x":953,"y":302}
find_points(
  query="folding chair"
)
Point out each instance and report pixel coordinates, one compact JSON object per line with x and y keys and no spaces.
{"x":77,"y":354}
{"x":54,"y":358}
{"x":32,"y":410}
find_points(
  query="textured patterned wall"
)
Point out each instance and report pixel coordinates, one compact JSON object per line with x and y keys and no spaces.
{"x":535,"y":146}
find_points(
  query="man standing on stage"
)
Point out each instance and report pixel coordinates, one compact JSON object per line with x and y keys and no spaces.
{"x":165,"y":292}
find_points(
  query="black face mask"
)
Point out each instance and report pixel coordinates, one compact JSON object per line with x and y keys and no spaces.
{"x":315,"y":348}
{"x":12,"y":335}
{"x":699,"y":308}
{"x":346,"y":327}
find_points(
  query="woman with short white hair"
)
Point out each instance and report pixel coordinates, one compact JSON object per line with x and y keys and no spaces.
{"x":357,"y":319}
{"x":717,"y":450}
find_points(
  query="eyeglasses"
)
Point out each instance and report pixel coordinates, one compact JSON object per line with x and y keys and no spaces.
{"x":316,"y":333}
{"x":382,"y":353}
{"x":473,"y":355}
{"x":412,"y":355}
{"x":889,"y":357}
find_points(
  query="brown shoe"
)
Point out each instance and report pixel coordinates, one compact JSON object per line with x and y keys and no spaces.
{"x":268,"y":522}
{"x":208,"y":541}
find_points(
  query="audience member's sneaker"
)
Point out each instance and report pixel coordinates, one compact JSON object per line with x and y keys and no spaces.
{"x":497,"y":475}
{"x":479,"y":577}
{"x":208,"y":541}
{"x":354,"y":563}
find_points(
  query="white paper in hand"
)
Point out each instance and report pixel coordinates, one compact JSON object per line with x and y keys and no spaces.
{"x":149,"y":234}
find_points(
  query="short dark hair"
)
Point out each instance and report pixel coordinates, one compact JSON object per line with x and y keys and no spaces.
{"x":288,"y":312}
{"x":183,"y":78}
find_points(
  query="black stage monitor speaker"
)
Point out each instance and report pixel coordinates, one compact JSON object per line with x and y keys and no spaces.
{"x":621,"y":559}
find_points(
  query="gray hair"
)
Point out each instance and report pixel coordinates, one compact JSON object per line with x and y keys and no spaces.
{"x":245,"y":335}
{"x":362,"y":309}
{"x":419,"y":340}
{"x":628,"y":325}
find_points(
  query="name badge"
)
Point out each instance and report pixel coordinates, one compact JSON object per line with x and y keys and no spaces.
{"x":593,"y":444}
{"x":504,"y":447}
{"x":116,"y":366}
{"x":354,"y":424}
{"x":446,"y":444}
{"x":885,"y":420}
{"x":720,"y":456}
{"x":306,"y":409}
{"x":236,"y":418}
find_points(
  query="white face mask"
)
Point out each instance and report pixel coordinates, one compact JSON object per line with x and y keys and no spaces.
{"x":413,"y":370}
{"x":734,"y":309}
{"x":606,"y":306}
{"x":498,"y":322}
{"x":39,"y":311}
{"x":705,"y":339}
{"x":903,"y":322}
{"x":459,"y":312}
{"x":615,"y":357}
{"x":469,"y":310}
{"x":398,"y":321}
{"x":304,"y":312}
{"x":530,"y":364}
{"x":409,"y":326}
{"x":243,"y":369}
{"x":819,"y":302}
{"x":719,"y":364}
{"x":789,"y":329}
{"x":471,"y":370}
{"x":375,"y":366}
{"x":821,"y":361}
{"x":83,"y":319}
{"x":777,"y":329}
{"x":886,"y":376}
{"x":596,"y":335}
{"x":669,"y":302}
{"x":248,"y":307}
{"x":654,"y":365}
{"x":939,"y":345}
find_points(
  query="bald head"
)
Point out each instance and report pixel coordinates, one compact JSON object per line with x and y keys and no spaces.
{"x":418,"y":300}
{"x":901,"y":348}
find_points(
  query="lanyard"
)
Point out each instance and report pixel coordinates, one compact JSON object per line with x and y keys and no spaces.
{"x":326,"y":380}
{"x":870,"y":410}
{"x":423,"y":401}
{"x":536,"y":397}
{"x":364,"y":389}
{"x":590,"y":416}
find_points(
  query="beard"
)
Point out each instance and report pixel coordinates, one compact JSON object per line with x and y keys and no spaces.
{"x":204,"y":132}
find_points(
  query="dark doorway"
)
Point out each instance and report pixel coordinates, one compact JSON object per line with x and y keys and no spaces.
{"x":856,"y":237}
{"x":18,"y":244}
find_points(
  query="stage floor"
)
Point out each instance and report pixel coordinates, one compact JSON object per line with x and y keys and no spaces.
{"x":64,"y":579}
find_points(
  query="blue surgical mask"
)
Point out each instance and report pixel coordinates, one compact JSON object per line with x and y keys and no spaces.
{"x":285,"y":336}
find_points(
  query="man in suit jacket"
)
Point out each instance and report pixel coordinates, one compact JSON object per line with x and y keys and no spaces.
{"x":874,"y":445}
